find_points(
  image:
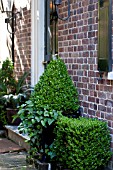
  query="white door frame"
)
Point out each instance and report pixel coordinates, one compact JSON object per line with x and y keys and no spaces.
{"x":37,"y":40}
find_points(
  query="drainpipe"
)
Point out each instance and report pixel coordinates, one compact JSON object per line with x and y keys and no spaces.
{"x":13,"y":31}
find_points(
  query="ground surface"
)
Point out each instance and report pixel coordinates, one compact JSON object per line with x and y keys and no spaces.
{"x":14,"y":161}
{"x":12,"y":156}
{"x":8,"y":146}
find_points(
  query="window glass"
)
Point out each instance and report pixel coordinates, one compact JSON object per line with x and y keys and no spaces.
{"x":103,"y":36}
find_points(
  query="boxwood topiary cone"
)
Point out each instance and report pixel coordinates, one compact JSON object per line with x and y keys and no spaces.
{"x":56,"y":89}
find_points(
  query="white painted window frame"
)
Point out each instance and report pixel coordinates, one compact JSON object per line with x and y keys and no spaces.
{"x":110,"y":75}
{"x":37,"y":40}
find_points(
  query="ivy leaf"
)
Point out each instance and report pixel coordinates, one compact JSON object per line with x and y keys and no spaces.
{"x":50,"y":121}
{"x":33,"y":121}
{"x":43,"y":123}
{"x":46,"y":114}
{"x":37,"y":119}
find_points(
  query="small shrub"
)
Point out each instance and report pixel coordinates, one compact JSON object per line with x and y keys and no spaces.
{"x":39,"y":127}
{"x":56,"y":89}
{"x":8,"y":82}
{"x":82,"y":144}
{"x":7,"y":79}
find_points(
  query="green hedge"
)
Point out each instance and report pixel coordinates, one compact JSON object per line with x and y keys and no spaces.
{"x":82,"y":144}
{"x":56,"y":90}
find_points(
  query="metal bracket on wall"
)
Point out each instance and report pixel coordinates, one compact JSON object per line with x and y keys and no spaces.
{"x":14,"y":17}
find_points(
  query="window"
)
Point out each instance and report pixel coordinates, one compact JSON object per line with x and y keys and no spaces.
{"x":104,"y":36}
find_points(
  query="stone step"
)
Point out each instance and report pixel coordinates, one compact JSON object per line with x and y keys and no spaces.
{"x":14,"y":135}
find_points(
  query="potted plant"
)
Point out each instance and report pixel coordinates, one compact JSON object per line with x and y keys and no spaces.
{"x":12,"y":92}
{"x":13,"y":101}
{"x":39,"y":127}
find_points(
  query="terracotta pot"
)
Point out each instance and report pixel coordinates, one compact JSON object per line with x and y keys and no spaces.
{"x":10,"y":114}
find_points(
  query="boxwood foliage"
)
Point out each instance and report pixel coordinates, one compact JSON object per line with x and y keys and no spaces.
{"x":55,"y":89}
{"x":82,"y":143}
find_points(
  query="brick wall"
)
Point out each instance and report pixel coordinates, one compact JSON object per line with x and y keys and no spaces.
{"x":78,"y":39}
{"x":23,"y":43}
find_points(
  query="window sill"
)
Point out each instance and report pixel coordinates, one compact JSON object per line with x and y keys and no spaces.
{"x":110,"y":75}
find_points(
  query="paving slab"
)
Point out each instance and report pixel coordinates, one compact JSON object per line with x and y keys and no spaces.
{"x":14,"y":161}
{"x":9,"y":146}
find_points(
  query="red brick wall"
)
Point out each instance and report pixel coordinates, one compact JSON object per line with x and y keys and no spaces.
{"x":23,"y":43}
{"x":78,"y":39}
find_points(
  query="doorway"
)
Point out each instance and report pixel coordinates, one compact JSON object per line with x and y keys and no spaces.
{"x":51,"y":30}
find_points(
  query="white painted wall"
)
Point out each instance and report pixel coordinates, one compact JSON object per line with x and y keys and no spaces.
{"x":5,"y":41}
{"x":22,"y":3}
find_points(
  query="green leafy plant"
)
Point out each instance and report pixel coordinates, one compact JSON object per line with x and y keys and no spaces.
{"x":82,"y":143}
{"x":14,"y":100}
{"x":7,"y":79}
{"x":3,"y":118}
{"x":20,"y":86}
{"x":35,"y":124}
{"x":56,"y":89}
{"x":12,"y":92}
